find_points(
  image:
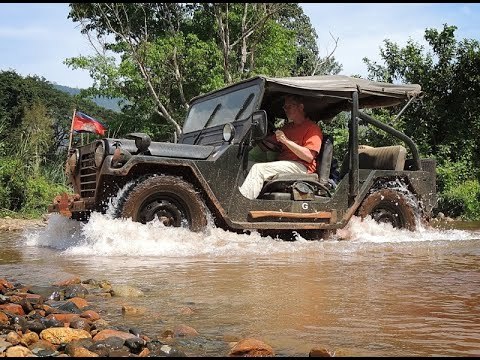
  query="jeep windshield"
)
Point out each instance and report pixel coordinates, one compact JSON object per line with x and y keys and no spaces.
{"x":225,"y":108}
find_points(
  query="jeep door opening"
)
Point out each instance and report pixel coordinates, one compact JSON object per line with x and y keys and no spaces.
{"x":178,"y":183}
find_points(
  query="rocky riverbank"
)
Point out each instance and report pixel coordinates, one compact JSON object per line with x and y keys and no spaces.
{"x":10,"y":224}
{"x":59,"y":320}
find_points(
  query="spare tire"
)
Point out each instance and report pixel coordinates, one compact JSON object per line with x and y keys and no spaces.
{"x":389,"y":206}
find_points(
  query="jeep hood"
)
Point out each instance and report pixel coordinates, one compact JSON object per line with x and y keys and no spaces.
{"x":164,"y":149}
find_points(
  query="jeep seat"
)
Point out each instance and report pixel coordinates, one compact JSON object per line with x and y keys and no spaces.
{"x":377,"y":158}
{"x":382,"y":158}
{"x":278,"y":188}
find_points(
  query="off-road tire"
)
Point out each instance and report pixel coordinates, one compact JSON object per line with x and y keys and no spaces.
{"x":171,"y":199}
{"x":390,"y":206}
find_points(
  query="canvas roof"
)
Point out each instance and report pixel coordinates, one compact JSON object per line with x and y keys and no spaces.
{"x":327,"y":95}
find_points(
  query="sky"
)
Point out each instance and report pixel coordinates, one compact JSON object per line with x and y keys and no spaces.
{"x":36,"y":38}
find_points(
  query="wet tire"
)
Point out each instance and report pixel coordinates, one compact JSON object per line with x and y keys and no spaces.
{"x":170,"y":199}
{"x":389,"y":206}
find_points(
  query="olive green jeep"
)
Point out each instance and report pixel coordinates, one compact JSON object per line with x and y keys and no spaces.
{"x":196,"y":178}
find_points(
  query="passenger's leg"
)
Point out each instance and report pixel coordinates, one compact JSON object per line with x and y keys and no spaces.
{"x":252,"y":186}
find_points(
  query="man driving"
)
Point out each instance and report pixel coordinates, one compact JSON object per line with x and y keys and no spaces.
{"x":300,"y":141}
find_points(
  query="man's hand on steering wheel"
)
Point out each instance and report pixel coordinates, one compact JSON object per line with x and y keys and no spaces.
{"x":271,"y":146}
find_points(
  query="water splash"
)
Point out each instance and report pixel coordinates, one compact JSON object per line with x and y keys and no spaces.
{"x":105,"y":236}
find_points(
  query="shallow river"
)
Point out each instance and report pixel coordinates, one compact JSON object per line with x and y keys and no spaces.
{"x":375,"y":291}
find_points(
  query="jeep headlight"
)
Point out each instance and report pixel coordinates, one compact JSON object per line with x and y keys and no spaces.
{"x":99,"y":154}
{"x":228,"y":132}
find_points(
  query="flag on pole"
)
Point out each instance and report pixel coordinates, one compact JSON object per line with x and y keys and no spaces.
{"x":84,"y":123}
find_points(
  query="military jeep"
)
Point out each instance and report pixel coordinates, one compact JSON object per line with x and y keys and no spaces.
{"x":197,"y":178}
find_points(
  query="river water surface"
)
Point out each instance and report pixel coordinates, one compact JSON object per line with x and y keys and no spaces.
{"x":371,"y":291}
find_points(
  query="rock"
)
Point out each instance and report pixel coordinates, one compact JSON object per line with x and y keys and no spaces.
{"x":6,"y":284}
{"x":80,"y":323}
{"x":132,"y":310}
{"x":18,"y":351}
{"x":4,"y":345}
{"x":104,"y":334}
{"x":90,"y":315}
{"x":251,"y":347}
{"x":42,"y":346}
{"x":29,"y":338}
{"x":144,"y":353}
{"x":12,"y":308}
{"x":186,"y":311}
{"x":63,"y":335}
{"x":79,"y":302}
{"x":36,"y":326}
{"x":3,"y":318}
{"x":80,"y":351}
{"x":184,"y":330}
{"x":72,"y":291}
{"x":320,"y":352}
{"x":13,"y":338}
{"x":64,"y":318}
{"x":69,"y":307}
{"x":135,"y":344}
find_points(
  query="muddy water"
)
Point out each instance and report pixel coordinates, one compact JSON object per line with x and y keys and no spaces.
{"x":374,"y":291}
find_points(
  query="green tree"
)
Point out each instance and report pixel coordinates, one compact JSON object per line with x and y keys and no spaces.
{"x":446,"y":123}
{"x":35,"y":137}
{"x":173,"y":52}
{"x":35,"y":120}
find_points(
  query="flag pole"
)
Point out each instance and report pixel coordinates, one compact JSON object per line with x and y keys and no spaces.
{"x":71,"y":132}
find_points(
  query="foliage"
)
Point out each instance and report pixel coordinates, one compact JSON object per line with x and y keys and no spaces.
{"x":35,"y":120}
{"x":161,"y":55}
{"x":39,"y":193}
{"x":461,"y":201}
{"x":12,"y":181}
{"x":445,"y":124}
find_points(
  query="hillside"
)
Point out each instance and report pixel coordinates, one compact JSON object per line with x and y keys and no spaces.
{"x":105,"y":102}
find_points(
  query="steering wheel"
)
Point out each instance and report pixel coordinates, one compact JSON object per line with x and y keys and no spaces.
{"x":271,"y":146}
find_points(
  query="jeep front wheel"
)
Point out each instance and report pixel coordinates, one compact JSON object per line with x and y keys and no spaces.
{"x":169,"y":199}
{"x":389,"y":206}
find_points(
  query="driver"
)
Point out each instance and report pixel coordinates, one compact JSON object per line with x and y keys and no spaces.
{"x":299,"y":141}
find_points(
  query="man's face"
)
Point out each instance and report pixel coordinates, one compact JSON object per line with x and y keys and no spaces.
{"x":292,"y":109}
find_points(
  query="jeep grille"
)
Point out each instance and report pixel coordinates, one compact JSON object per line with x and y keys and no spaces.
{"x":88,"y":175}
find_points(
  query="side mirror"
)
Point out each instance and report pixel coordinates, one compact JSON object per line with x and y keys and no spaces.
{"x":259,"y":124}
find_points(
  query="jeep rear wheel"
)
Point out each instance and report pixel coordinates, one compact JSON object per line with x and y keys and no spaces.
{"x":169,"y":199}
{"x":389,"y":206}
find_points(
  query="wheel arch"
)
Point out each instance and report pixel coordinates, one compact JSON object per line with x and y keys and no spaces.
{"x":188,"y":172}
{"x":401,"y":185}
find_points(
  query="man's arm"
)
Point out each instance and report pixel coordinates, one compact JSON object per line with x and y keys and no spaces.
{"x":302,"y":152}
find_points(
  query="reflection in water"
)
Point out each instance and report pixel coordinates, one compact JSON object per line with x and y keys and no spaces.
{"x":379,"y":292}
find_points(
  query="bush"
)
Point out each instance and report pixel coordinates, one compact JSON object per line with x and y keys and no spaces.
{"x":461,"y":200}
{"x":12,"y":182}
{"x":39,"y":193}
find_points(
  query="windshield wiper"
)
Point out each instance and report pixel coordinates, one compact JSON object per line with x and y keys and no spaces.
{"x":212,"y":115}
{"x":247,"y":102}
